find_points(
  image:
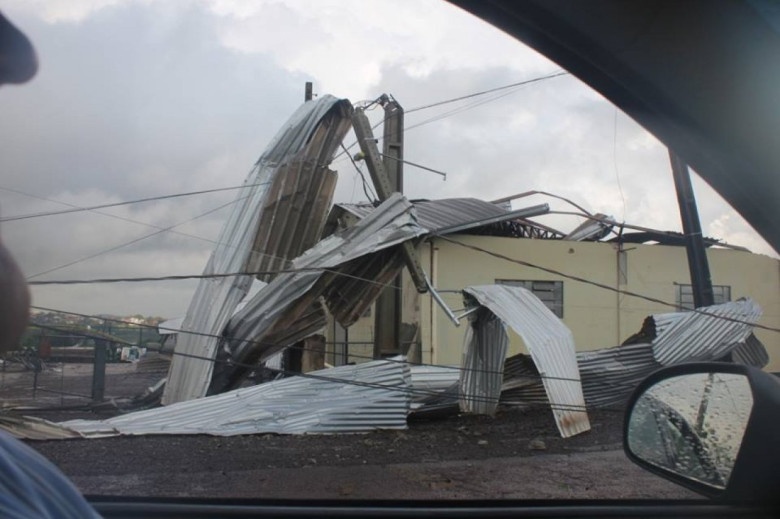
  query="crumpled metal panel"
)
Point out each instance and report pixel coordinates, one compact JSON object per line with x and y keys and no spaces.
{"x":610,"y":375}
{"x":590,"y":229}
{"x":440,"y":214}
{"x":348,"y":399}
{"x":695,"y":336}
{"x":31,"y":428}
{"x":307,"y":141}
{"x":256,"y":332}
{"x":551,"y":346}
{"x":484,"y":351}
{"x":751,"y":352}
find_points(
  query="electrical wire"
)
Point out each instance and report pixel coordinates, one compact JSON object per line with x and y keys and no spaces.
{"x":128,"y":202}
{"x":614,"y":162}
{"x":166,"y":278}
{"x":366,"y":186}
{"x":131,"y":242}
{"x":462,"y":98}
{"x":476,"y":94}
{"x":123,"y":218}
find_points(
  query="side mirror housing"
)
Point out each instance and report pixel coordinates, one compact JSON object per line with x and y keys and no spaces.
{"x":711,"y":427}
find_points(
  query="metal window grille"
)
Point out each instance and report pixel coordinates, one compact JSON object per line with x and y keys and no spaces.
{"x":550,"y":292}
{"x":721,"y":293}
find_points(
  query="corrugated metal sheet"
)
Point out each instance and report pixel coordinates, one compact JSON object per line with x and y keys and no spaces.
{"x":751,"y":352}
{"x":484,"y":352}
{"x":551,"y":346}
{"x":31,"y":428}
{"x":590,"y":230}
{"x":279,"y":312}
{"x":216,"y":298}
{"x":696,"y":336}
{"x":610,"y":375}
{"x":439,"y":214}
{"x":522,"y":382}
{"x":433,"y":379}
{"x":354,"y":398}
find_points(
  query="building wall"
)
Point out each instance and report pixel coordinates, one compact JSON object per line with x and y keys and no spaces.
{"x":598,"y":318}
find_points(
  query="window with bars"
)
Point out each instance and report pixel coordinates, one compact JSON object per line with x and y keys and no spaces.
{"x":550,"y":292}
{"x":721,"y":294}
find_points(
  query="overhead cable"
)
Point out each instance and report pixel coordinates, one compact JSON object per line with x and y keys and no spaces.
{"x":131,"y":242}
{"x":127,"y":202}
{"x":462,"y":98}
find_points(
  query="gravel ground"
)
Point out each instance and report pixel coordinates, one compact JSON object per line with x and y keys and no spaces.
{"x":516,"y":454}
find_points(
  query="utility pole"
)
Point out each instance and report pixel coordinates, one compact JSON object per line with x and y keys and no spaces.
{"x":388,"y":305}
{"x":701,"y":280}
{"x":387,"y":317}
{"x":307,"y":96}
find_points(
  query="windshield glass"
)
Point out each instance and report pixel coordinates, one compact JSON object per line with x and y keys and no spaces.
{"x":229,"y":299}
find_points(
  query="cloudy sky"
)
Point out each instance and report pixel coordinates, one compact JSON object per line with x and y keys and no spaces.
{"x":139,"y":98}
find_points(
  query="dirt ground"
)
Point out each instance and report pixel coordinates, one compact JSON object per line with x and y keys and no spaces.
{"x":516,"y":454}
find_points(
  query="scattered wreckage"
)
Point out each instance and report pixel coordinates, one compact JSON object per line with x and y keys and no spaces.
{"x":272,"y":240}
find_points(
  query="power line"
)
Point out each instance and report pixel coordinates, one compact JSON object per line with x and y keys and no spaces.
{"x":117,"y":217}
{"x":603,"y":286}
{"x":166,"y":278}
{"x":475,"y":94}
{"x":169,"y":229}
{"x":206,"y":276}
{"x":461,"y":98}
{"x":131,"y":242}
{"x":128,"y":202}
{"x":366,"y":186}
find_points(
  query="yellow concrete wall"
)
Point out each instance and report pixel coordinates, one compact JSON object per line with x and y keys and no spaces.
{"x":598,"y":318}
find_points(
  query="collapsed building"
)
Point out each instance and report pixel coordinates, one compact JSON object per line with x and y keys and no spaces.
{"x":289,"y":266}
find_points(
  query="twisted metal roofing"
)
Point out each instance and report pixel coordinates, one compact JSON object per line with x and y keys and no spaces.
{"x":707,"y":334}
{"x":353,"y":398}
{"x":301,"y":148}
{"x":348,"y":268}
{"x":551,"y":346}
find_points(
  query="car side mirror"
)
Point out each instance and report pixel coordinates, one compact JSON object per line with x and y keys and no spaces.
{"x":711,"y":427}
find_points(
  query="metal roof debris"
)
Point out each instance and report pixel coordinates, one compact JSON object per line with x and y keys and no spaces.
{"x":348,"y":270}
{"x":452,"y":215}
{"x":291,"y":173}
{"x":347,"y":399}
{"x":610,"y":375}
{"x":590,"y":230}
{"x":550,"y":344}
{"x":484,"y":351}
{"x":707,"y":334}
{"x":31,"y":428}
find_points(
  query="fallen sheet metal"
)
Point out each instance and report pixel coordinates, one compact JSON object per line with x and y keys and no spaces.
{"x":484,"y":352}
{"x":551,"y":346}
{"x":706,"y":334}
{"x":285,"y":178}
{"x":610,"y":375}
{"x":348,"y":399}
{"x":31,"y":428}
{"x":347,"y":269}
{"x":751,"y":352}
